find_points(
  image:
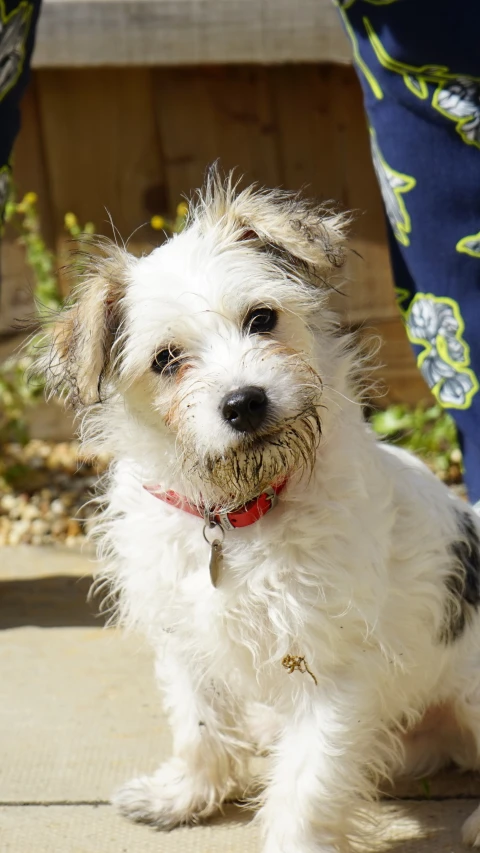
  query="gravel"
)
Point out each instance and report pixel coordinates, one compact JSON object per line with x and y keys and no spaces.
{"x":46,"y":493}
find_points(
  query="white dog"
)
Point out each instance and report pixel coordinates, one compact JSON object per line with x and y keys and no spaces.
{"x":307,"y":589}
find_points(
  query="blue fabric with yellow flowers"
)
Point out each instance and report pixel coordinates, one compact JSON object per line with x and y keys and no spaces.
{"x":17,"y":33}
{"x":418,"y":62}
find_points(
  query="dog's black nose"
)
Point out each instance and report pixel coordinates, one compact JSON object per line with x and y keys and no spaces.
{"x":245,"y":409}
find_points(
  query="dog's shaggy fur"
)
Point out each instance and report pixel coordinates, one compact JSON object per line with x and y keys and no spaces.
{"x":368,"y":568}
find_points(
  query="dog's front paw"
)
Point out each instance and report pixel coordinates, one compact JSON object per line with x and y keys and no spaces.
{"x":471,"y":829}
{"x":168,"y":798}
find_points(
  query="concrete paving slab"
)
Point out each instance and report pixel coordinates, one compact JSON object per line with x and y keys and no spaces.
{"x":30,"y":561}
{"x":415,"y":827}
{"x":79,"y":714}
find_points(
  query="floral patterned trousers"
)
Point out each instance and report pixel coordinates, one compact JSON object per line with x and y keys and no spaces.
{"x":418,"y":62}
{"x":17,"y":33}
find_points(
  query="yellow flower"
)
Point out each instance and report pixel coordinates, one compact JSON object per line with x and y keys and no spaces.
{"x":70,"y":221}
{"x":157,"y":222}
{"x":30,"y":198}
{"x":182,"y":209}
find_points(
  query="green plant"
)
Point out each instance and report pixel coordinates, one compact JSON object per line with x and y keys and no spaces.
{"x":172,"y":226}
{"x":427,"y":431}
{"x":16,"y":392}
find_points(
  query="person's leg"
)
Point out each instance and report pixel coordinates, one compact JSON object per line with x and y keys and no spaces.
{"x":17,"y":34}
{"x":419,"y":66}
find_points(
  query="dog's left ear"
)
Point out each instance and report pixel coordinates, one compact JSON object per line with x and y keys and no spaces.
{"x":77,"y":355}
{"x":295,"y":230}
{"x":299,"y":232}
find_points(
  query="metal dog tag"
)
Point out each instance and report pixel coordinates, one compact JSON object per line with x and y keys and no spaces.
{"x":212,"y":529}
{"x":216,"y":557}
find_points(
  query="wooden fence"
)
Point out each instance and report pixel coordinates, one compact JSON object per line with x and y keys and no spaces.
{"x":134,"y":140}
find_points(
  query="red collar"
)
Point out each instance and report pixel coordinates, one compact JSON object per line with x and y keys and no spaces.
{"x":245,"y":515}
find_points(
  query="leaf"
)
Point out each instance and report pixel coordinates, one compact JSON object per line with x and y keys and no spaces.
{"x":426,"y":787}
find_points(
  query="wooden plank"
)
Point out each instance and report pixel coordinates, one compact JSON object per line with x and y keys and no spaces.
{"x":370,"y":289}
{"x":29,"y":167}
{"x":324,"y":146}
{"x":102,"y":150}
{"x":205,"y":114}
{"x":16,"y":297}
{"x":245,"y":126}
{"x":186,"y":124}
{"x":29,"y":176}
{"x":73,"y":33}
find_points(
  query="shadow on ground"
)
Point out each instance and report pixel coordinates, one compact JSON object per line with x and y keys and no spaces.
{"x":401,"y":827}
{"x":54,"y":601}
{"x":425,"y":827}
{"x":408,"y":827}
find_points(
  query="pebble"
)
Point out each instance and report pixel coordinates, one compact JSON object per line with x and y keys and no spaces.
{"x":31,"y":512}
{"x":57,"y":507}
{"x":7,"y":503}
{"x":39,"y":527}
{"x":73,"y":528}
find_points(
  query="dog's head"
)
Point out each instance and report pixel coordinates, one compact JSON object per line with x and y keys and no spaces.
{"x":207,"y":345}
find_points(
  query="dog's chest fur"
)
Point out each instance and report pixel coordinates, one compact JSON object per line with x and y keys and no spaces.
{"x":268,"y":602}
{"x":291,"y":584}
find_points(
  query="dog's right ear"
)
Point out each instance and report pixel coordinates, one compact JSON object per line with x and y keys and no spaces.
{"x":77,"y":356}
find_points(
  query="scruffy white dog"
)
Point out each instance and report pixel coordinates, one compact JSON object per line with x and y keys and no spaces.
{"x":307,"y":590}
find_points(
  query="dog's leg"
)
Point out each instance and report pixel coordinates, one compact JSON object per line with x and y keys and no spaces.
{"x":440,"y":738}
{"x":471,"y":829}
{"x":208,"y":759}
{"x":467,"y":756}
{"x":324,"y":765}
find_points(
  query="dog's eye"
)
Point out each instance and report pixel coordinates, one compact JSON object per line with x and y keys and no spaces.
{"x":167,"y":360}
{"x":260,"y":321}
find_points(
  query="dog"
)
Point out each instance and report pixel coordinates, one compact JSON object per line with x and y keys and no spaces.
{"x":308,"y":590}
